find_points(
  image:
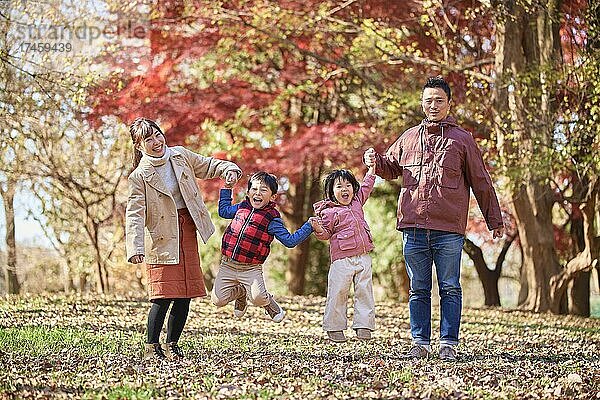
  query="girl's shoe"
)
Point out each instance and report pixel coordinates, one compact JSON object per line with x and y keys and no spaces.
{"x":363,"y":333}
{"x":336,"y":336}
{"x":173,"y":351}
{"x":154,"y":351}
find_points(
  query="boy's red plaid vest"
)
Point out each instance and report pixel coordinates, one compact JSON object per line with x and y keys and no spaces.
{"x":246,"y":239}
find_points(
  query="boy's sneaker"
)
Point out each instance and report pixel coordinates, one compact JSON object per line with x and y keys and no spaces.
{"x":336,"y":336}
{"x":274,"y":311}
{"x":241,"y":303}
{"x":416,"y":351}
{"x":447,"y":353}
{"x":154,"y":351}
{"x":363,"y":333}
{"x":173,"y":351}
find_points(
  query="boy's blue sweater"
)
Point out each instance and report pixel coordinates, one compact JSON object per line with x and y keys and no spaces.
{"x":276,"y":226}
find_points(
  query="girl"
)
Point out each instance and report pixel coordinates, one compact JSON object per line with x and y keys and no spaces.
{"x":340,"y":219}
{"x":165,"y":199}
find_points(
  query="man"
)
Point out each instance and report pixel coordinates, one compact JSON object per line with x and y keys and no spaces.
{"x":439,"y":163}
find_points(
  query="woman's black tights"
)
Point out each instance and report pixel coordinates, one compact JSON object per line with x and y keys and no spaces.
{"x":177,"y":318}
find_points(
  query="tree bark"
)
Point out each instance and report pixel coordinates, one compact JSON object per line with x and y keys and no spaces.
{"x":580,"y":267}
{"x":489,"y":278}
{"x":400,"y":281}
{"x":68,"y":285}
{"x":8,"y":197}
{"x":526,"y":42}
{"x":101,"y":285}
{"x":302,"y":196}
{"x":578,"y":295}
{"x":578,"y":290}
{"x":540,"y":262}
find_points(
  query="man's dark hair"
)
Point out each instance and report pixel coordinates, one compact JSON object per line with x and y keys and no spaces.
{"x":264,"y":177}
{"x":438,"y":82}
{"x":342,"y":174}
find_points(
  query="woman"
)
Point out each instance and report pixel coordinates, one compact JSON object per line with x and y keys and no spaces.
{"x":165,"y":199}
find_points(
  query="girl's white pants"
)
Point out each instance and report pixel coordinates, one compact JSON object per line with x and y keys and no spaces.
{"x":342,"y":274}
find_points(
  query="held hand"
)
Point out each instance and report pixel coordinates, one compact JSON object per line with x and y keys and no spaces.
{"x":498,"y":232}
{"x":369,"y":157}
{"x":231,"y":178}
{"x":137,"y":259}
{"x":314,"y":222}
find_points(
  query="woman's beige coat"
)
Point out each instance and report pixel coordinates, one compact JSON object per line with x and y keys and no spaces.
{"x":151,"y":205}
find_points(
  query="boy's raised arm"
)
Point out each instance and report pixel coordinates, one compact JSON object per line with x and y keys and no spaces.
{"x":226,"y":210}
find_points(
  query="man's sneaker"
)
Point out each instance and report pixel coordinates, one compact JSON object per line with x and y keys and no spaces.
{"x":274,"y":311}
{"x":363,"y":333}
{"x":241,"y":303}
{"x":447,"y":353}
{"x":173,"y":351}
{"x":336,"y":336}
{"x":154,"y":351}
{"x":417,"y":351}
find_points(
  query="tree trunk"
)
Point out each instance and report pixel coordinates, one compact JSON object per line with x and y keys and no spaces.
{"x":297,"y":268}
{"x":93,"y":231}
{"x":540,"y":262}
{"x":301,"y":196}
{"x":98,"y":256}
{"x":489,"y":278}
{"x":298,"y":256}
{"x":68,"y":284}
{"x":400,"y":281}
{"x":581,"y":266}
{"x":578,"y":295}
{"x":523,"y":286}
{"x":578,"y":290}
{"x":8,"y":197}
{"x":528,"y":42}
{"x":82,"y":282}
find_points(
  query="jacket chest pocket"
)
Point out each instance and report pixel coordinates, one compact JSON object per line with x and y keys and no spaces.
{"x":347,"y":240}
{"x":448,"y":169}
{"x":411,"y":168}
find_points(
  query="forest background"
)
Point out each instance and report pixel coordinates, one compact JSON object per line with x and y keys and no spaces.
{"x":298,"y":89}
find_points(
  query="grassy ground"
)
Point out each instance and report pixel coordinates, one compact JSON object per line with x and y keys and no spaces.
{"x":57,"y":347}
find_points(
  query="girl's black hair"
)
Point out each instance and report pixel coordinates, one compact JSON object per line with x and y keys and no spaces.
{"x":342,"y":174}
{"x":140,"y":129}
{"x":264,"y":177}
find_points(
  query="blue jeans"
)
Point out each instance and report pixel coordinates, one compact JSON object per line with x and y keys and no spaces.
{"x":422,"y":249}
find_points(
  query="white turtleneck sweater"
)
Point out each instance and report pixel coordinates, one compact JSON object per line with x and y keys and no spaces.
{"x":165,"y":170}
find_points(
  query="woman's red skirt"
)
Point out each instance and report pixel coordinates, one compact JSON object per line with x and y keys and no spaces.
{"x":183,"y":280}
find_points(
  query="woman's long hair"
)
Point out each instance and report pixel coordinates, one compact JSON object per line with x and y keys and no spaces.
{"x":140,"y":129}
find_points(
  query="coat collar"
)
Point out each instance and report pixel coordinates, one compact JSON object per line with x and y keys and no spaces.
{"x":437,"y":127}
{"x":150,"y":175}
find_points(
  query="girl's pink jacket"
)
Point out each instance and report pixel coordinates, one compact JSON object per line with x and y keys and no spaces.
{"x":345,"y":226}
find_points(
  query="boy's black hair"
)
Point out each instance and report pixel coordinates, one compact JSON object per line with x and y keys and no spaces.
{"x":438,"y":82}
{"x":342,"y":174}
{"x":264,"y":177}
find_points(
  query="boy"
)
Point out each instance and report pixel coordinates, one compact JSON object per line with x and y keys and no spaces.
{"x":247,"y":243}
